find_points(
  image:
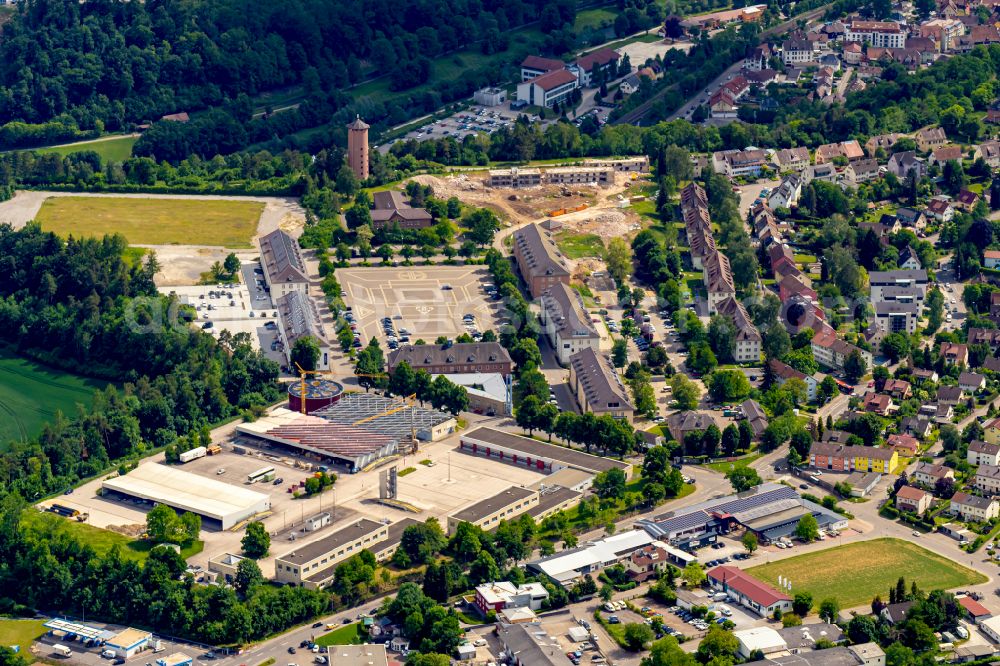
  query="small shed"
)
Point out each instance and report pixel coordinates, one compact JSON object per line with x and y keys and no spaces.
{"x":466,"y":652}
{"x":578,"y":634}
{"x":316,"y":522}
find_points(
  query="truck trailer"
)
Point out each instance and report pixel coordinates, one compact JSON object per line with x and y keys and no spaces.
{"x":193,"y":454}
{"x":62,"y":650}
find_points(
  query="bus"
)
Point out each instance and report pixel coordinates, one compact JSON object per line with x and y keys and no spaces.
{"x":259,"y":474}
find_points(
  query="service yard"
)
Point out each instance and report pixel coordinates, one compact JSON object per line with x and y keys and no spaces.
{"x":423,"y":302}
{"x":871,"y":566}
{"x":477,"y":119}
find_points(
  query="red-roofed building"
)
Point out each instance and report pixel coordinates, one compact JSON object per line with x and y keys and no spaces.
{"x":913,"y":499}
{"x":533,"y":66}
{"x":907,"y":445}
{"x":604,"y":59}
{"x":976,"y":610}
{"x":748,"y":591}
{"x":548,"y":89}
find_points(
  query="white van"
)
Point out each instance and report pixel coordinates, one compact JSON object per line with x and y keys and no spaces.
{"x":62,"y":650}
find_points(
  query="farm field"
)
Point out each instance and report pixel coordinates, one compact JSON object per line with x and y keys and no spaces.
{"x":32,"y":393}
{"x":154,"y":221}
{"x":115,"y":149}
{"x":871,"y":567}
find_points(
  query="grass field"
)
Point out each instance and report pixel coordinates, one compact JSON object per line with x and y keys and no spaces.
{"x":20,"y":632}
{"x":724,"y":467}
{"x":589,"y":19}
{"x":349,"y":634}
{"x":154,"y":221}
{"x":100,"y":540}
{"x":117,"y":149}
{"x":577,"y":246}
{"x":31,"y":394}
{"x":871,"y":567}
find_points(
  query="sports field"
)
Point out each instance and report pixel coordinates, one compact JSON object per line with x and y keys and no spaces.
{"x":154,"y":221}
{"x":853,"y":574}
{"x":111,"y":149}
{"x":31,"y":393}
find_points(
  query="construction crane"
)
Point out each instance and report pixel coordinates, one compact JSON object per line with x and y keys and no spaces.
{"x":303,"y":374}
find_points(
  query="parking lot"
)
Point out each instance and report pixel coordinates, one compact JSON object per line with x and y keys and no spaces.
{"x":238,"y":308}
{"x":420,"y":303}
{"x":477,"y":118}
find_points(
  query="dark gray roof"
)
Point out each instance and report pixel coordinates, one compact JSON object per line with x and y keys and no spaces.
{"x":550,"y":496}
{"x":535,"y":449}
{"x":332,"y":541}
{"x":461,"y":353}
{"x":281,"y":259}
{"x":806,"y":635}
{"x":879,"y":278}
{"x":564,"y":309}
{"x":300,"y":317}
{"x":388,"y":200}
{"x":490,"y":505}
{"x":519,"y":641}
{"x":599,"y":380}
{"x":699,"y":514}
{"x":539,"y":251}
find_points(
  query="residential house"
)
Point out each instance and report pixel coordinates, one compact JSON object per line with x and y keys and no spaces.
{"x":792,"y":159}
{"x":682,"y":423}
{"x":917,"y":426}
{"x":988,"y":479}
{"x":748,"y":339}
{"x":983,"y":453}
{"x":722,"y":104}
{"x":498,"y":596}
{"x":797,"y":50}
{"x":943,"y":154}
{"x":940,"y":209}
{"x":990,"y":336}
{"x":539,"y":260}
{"x":786,"y":194}
{"x":906,"y":445}
{"x":736,"y":163}
{"x":992,"y":364}
{"x":758,"y":58}
{"x":966,"y":200}
{"x":877,"y":403}
{"x":949,"y":395}
{"x":954,"y":353}
{"x":848,"y":149}
{"x":929,"y":474}
{"x":913,"y":499}
{"x":390,"y":210}
{"x":989,"y":151}
{"x":826,"y":173}
{"x":897,"y":316}
{"x":782,"y":372}
{"x":795,"y":284}
{"x":880,"y":141}
{"x":596,"y":385}
{"x":646,"y":562}
{"x":630,"y":84}
{"x":991,"y":430}
{"x":908,"y":259}
{"x":852,"y":56}
{"x":921,"y":375}
{"x":903,"y":163}
{"x":944,"y":31}
{"x":929,"y":138}
{"x":991,"y":258}
{"x":971,"y":382}
{"x":832,"y":351}
{"x":755,"y":416}
{"x":911,"y":217}
{"x":897,"y":388}
{"x":896,"y":613}
{"x":970,"y":507}
{"x":861,"y":171}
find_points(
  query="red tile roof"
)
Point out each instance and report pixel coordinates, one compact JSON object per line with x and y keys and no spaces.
{"x":553,"y":80}
{"x":747,"y":585}
{"x":975,"y":608}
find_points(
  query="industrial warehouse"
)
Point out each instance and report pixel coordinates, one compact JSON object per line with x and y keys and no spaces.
{"x":544,"y":457}
{"x":770,"y":510}
{"x":389,"y":416}
{"x":223,"y":504}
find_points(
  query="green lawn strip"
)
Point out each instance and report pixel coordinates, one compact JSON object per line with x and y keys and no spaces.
{"x":349,"y":634}
{"x":408,"y":470}
{"x":21,"y":632}
{"x":871,"y":567}
{"x":725,"y":466}
{"x":116,"y":149}
{"x":154,"y":221}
